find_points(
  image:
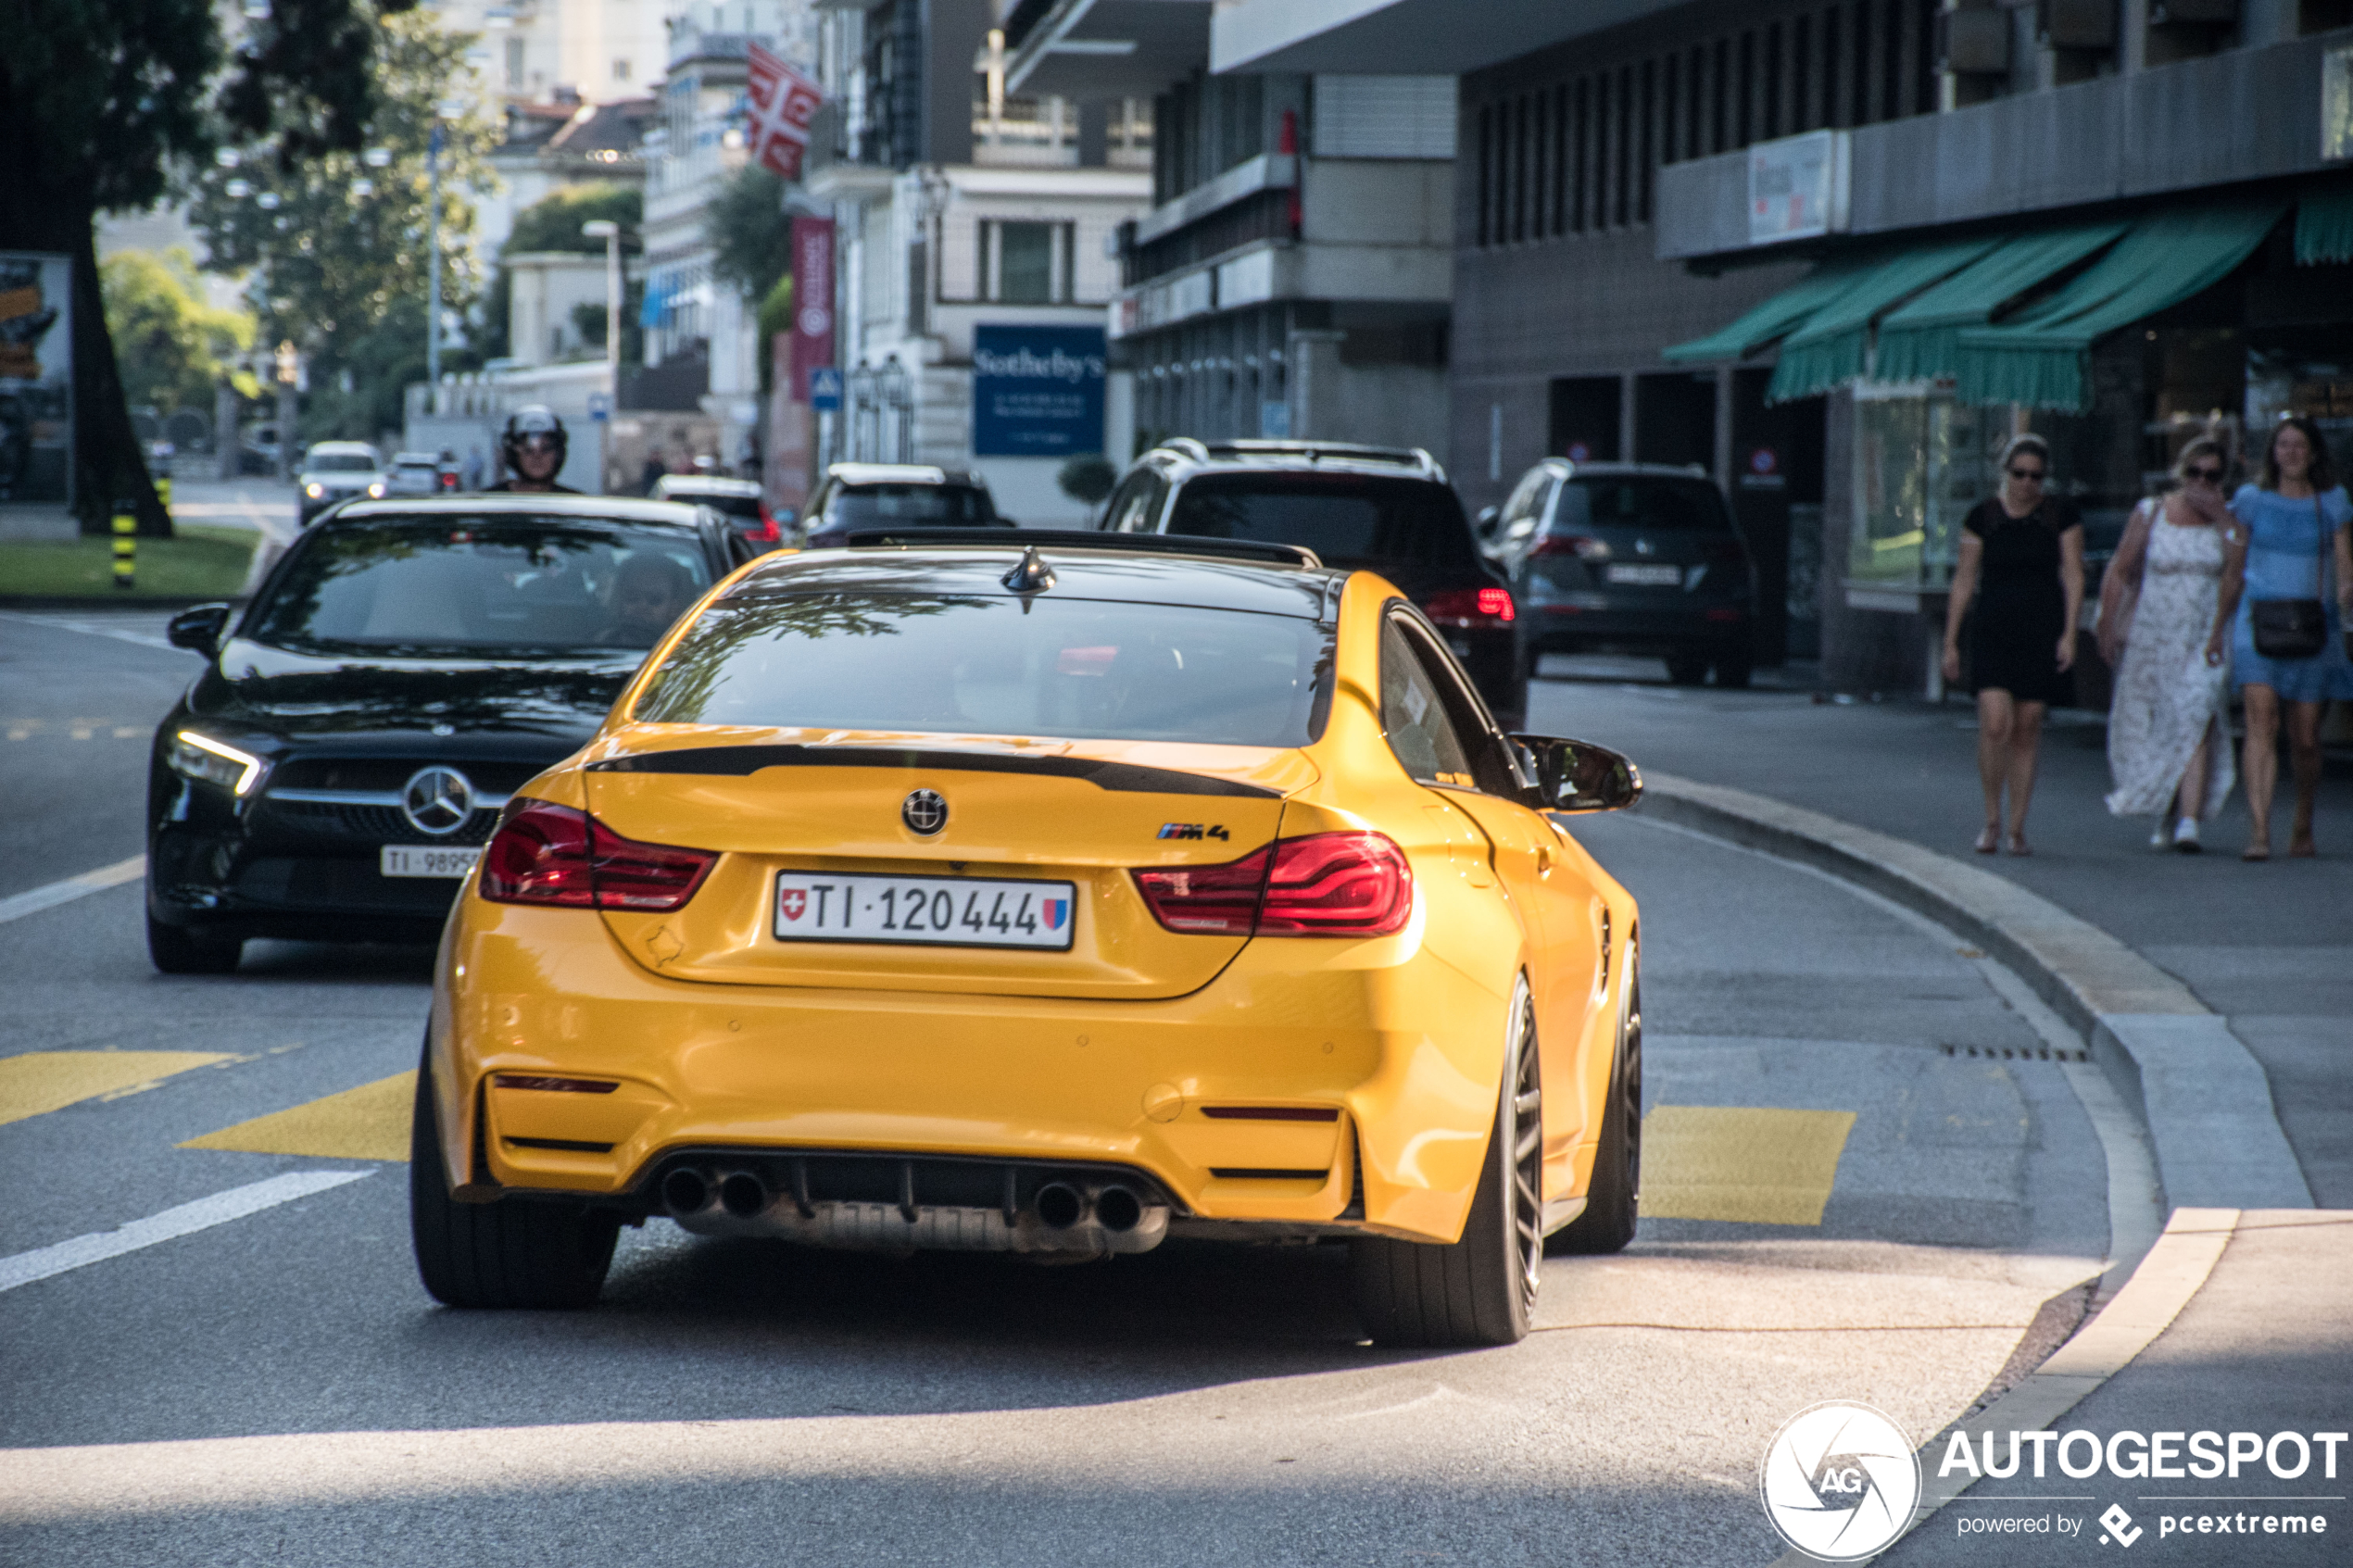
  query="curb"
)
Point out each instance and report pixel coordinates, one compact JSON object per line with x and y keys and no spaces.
{"x":2174,"y":1271}
{"x":2203,"y":1097}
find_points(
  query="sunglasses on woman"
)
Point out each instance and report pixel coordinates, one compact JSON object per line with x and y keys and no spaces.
{"x":2204,"y":475}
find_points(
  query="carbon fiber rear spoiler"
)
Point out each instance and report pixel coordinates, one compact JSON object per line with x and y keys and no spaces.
{"x":1081,"y":539}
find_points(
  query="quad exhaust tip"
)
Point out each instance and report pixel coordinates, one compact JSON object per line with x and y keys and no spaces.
{"x":742,"y":1195}
{"x":1060,"y":1206}
{"x":1118,"y":1209}
{"x":685,"y":1192}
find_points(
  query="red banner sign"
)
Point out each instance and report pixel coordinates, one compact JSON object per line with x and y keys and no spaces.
{"x":779,"y":101}
{"x":813,"y":300}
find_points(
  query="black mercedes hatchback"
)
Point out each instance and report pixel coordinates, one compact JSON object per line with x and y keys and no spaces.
{"x":407,"y":666}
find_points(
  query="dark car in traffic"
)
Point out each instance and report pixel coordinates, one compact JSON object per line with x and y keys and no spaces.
{"x":1634,"y":558}
{"x":1375,"y":509}
{"x":403,"y":669}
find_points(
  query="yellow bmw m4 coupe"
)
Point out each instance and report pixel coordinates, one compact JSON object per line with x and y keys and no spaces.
{"x":1055,"y":895}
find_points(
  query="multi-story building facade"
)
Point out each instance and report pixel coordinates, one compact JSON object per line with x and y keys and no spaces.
{"x":1837,"y":253}
{"x":700,"y":350}
{"x":1294,"y":274}
{"x":975,"y":225}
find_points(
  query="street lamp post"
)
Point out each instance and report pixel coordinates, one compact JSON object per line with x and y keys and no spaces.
{"x":605,"y":229}
{"x":433,"y":279}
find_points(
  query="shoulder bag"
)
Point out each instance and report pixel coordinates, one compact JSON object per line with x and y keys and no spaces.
{"x":2294,"y":628}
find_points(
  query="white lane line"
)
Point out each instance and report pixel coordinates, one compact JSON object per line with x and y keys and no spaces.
{"x":94,"y":629}
{"x":22,"y":904}
{"x":24,"y":1268}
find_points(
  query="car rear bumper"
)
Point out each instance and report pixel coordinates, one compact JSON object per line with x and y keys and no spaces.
{"x":1562,"y":626}
{"x":1254,"y":1099}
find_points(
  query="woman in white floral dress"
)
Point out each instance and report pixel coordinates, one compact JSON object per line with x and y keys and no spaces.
{"x":2162,"y":606}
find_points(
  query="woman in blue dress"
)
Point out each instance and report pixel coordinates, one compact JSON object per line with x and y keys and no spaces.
{"x":2294,"y":519}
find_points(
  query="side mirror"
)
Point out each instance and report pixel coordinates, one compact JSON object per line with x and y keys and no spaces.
{"x":1574,"y":775}
{"x":198,"y":630}
{"x":1485,"y":523}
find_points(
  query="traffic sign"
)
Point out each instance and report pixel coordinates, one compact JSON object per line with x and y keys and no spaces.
{"x":599,"y":407}
{"x":824,"y":388}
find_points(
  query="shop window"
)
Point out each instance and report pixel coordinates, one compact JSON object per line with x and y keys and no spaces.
{"x":1920,"y":465}
{"x":1029,"y":263}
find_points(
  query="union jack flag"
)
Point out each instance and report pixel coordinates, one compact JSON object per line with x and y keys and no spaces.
{"x":779,"y":101}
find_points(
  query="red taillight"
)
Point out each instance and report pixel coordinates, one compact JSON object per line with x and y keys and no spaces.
{"x":768,"y":532}
{"x":549,"y":854}
{"x":449,"y":481}
{"x":1326,"y":884}
{"x":1583,"y":546}
{"x":1471,"y":606}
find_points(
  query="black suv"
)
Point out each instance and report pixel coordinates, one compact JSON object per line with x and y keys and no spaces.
{"x":1637,"y":556}
{"x":1375,"y":509}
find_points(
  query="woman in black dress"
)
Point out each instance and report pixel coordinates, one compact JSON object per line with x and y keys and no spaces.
{"x":2023,"y":565}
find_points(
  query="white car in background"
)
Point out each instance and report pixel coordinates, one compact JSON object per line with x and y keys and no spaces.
{"x":334,"y":471}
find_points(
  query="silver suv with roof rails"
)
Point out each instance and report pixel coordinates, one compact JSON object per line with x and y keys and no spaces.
{"x":1386,"y":510}
{"x":1636,"y":558}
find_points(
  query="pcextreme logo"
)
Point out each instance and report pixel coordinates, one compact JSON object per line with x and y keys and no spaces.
{"x":1840,"y":1481}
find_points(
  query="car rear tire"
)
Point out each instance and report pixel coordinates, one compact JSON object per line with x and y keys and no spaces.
{"x":1687,"y":669}
{"x":1613,"y":1198}
{"x":176,"y":951}
{"x":1733,"y":671}
{"x":1481,"y":1289}
{"x":510,"y":1252}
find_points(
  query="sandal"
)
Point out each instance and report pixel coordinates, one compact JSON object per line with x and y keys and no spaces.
{"x":2255,"y":852}
{"x":2018,"y":844}
{"x":1988,"y":841}
{"x":2302,"y":849}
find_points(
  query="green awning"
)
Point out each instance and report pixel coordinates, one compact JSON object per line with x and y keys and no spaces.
{"x":1921,"y":340}
{"x":2041,"y":357}
{"x":1777,"y":317}
{"x":2324,"y":228}
{"x":1832,"y":345}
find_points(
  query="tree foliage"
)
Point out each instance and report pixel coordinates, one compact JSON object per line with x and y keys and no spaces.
{"x":553,"y":224}
{"x":99,"y":103}
{"x":341,"y":256}
{"x":175,"y":344}
{"x":749,"y":232}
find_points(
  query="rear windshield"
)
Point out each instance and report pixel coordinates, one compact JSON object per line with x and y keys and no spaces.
{"x":1660,"y":505}
{"x":935,"y":506}
{"x":475,"y":585}
{"x":1075,"y":669}
{"x":341,"y":463}
{"x":1348,"y":519}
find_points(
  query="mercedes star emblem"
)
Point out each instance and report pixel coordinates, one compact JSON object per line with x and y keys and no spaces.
{"x":438,"y":800}
{"x":924,"y":811}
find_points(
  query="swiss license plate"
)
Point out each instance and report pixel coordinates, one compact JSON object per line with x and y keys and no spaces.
{"x":1647,"y":576}
{"x":949,"y":912}
{"x":411,"y":860}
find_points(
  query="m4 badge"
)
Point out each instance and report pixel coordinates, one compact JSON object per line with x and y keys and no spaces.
{"x":1193,"y":830}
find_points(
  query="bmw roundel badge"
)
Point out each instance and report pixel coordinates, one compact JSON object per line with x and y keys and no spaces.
{"x":924,"y":811}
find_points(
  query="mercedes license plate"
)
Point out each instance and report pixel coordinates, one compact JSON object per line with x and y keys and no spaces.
{"x":1647,"y":576}
{"x":411,"y":859}
{"x":940,"y":911}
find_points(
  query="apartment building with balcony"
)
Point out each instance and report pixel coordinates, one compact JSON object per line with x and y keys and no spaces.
{"x":1837,"y":253}
{"x":1293,"y":276}
{"x":975,"y":220}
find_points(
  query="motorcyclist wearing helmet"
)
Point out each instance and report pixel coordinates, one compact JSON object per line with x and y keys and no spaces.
{"x":534,"y":445}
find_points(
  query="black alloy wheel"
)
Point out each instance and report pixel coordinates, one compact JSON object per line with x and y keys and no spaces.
{"x":177,"y":950}
{"x":1613,"y":1198}
{"x":1687,"y":669}
{"x":1480,"y":1289}
{"x":509,"y":1252}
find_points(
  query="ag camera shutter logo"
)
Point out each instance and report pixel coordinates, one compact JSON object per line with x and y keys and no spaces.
{"x":1840,"y":1481}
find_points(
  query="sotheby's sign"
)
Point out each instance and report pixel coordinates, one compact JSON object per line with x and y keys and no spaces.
{"x":1038,"y":392}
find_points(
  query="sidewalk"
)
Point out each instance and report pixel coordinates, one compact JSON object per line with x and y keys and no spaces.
{"x":2235,"y":1321}
{"x":2267,"y":946}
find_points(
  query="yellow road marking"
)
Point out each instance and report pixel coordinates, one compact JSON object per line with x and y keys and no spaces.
{"x":40,"y":1082}
{"x":368,"y":1122}
{"x":1755,"y":1166}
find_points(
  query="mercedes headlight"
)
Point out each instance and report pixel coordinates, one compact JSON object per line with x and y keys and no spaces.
{"x":201,"y":757}
{"x":376,"y":491}
{"x":314,"y":490}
